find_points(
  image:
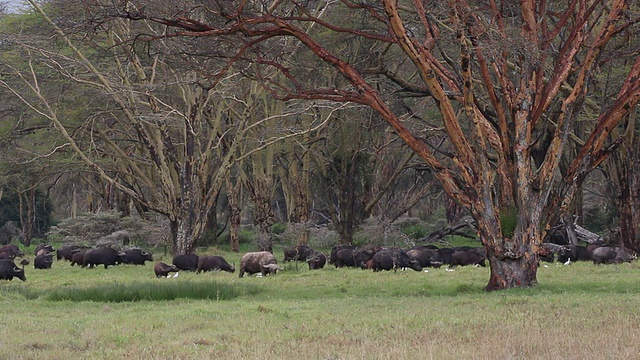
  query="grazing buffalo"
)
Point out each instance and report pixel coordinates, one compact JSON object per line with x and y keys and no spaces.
{"x":43,"y":249}
{"x":258,"y":262}
{"x":344,"y":257}
{"x":187,"y":262}
{"x":426,"y":256}
{"x":297,"y":253}
{"x":333,"y":257}
{"x":66,"y":252}
{"x":316,"y":260}
{"x":214,"y":263}
{"x":611,"y":255}
{"x":465,"y":257}
{"x":43,"y":261}
{"x":162,"y":270}
{"x":364,"y":254}
{"x":78,"y":258}
{"x":135,"y":256}
{"x":389,"y":259}
{"x":11,"y":250}
{"x":9,"y":270}
{"x":100,"y":256}
{"x":24,"y":262}
{"x":290,"y":254}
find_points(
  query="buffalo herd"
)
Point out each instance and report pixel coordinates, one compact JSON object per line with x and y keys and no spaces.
{"x":263,"y":263}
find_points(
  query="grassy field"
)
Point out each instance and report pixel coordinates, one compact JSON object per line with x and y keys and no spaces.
{"x":581,"y":311}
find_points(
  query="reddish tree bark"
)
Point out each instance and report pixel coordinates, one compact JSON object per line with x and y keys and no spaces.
{"x":516,"y":69}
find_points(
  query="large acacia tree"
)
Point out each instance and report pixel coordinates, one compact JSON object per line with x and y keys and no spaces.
{"x":506,"y":79}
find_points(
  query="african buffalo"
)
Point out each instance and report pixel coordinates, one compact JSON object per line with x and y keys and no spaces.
{"x":388,"y":259}
{"x":66,"y":252}
{"x":135,"y":256}
{"x":426,"y":256}
{"x":344,"y":257}
{"x":316,"y":260}
{"x":611,"y":255}
{"x":364,"y":254}
{"x":162,"y":270}
{"x":78,"y":258}
{"x":43,"y":249}
{"x":11,"y":250}
{"x":100,"y":256}
{"x":214,"y":263}
{"x":43,"y":261}
{"x":333,"y":257}
{"x":290,"y":254}
{"x":465,"y":257}
{"x":9,"y":270}
{"x":186,"y":262}
{"x":573,"y":252}
{"x":258,"y":262}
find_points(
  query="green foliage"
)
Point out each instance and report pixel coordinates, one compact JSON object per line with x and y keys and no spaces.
{"x":599,"y":219}
{"x":10,"y":210}
{"x":508,"y":221}
{"x":415,"y":232}
{"x":278,"y":228}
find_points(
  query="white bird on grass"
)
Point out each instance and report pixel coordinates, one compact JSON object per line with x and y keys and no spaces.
{"x":568,"y":262}
{"x":175,"y":275}
{"x":449,"y":269}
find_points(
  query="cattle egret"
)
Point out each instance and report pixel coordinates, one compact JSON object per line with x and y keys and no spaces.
{"x":568,"y":262}
{"x":449,"y":269}
{"x":175,"y":275}
{"x":425,"y":270}
{"x":546,"y":266}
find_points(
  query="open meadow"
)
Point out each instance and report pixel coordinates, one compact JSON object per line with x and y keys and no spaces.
{"x":581,"y":311}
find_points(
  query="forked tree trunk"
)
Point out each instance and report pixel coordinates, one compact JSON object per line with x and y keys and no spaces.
{"x":513,"y":261}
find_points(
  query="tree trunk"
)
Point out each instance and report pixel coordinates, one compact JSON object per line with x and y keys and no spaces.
{"x":234,"y":216}
{"x":263,"y":213}
{"x":513,"y":257}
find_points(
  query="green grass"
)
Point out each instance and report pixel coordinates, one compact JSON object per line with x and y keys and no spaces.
{"x":124,"y":312}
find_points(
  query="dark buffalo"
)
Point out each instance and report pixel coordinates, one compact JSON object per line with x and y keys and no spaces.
{"x":9,"y":270}
{"x":464,"y":257}
{"x":426,"y":256}
{"x":162,"y":270}
{"x":66,"y":251}
{"x":43,"y":249}
{"x":187,"y":262}
{"x":290,"y":254}
{"x":364,"y":254}
{"x":344,"y":258}
{"x":135,"y":256}
{"x":214,"y":263}
{"x":24,"y":262}
{"x":43,"y":261}
{"x":78,"y":258}
{"x":573,"y":252}
{"x":11,"y":250}
{"x":333,"y":257}
{"x":100,"y":256}
{"x":393,"y":259}
{"x":258,"y":262}
{"x":611,"y":255}
{"x":316,"y":260}
{"x":297,"y":253}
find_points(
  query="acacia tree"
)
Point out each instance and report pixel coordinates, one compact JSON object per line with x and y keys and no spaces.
{"x":514,"y":70}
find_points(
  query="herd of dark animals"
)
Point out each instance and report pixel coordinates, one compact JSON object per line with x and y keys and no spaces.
{"x":262,"y":263}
